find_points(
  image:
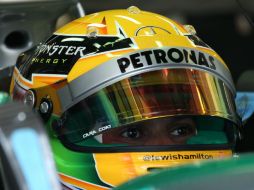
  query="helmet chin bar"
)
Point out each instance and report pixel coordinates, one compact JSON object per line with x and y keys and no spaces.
{"x":28,"y":22}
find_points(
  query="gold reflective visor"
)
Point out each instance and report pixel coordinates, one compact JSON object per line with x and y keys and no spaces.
{"x":151,"y":95}
{"x":170,"y":92}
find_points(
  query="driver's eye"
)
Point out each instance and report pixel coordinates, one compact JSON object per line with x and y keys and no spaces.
{"x":183,"y":130}
{"x":132,"y":133}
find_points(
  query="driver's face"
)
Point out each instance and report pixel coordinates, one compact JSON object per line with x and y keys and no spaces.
{"x":166,"y":131}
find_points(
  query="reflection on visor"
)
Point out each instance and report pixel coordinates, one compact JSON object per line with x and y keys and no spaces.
{"x":147,"y":97}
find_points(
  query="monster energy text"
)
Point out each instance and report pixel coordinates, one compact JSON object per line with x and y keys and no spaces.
{"x":62,"y":50}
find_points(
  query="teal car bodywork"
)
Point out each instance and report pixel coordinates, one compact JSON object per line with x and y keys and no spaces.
{"x":236,"y":173}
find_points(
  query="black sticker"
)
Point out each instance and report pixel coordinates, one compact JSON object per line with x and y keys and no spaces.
{"x":197,"y":41}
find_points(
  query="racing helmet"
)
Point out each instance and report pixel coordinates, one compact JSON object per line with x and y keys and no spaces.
{"x":127,"y":92}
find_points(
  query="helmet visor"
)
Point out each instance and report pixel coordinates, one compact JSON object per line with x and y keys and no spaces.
{"x":148,"y":98}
